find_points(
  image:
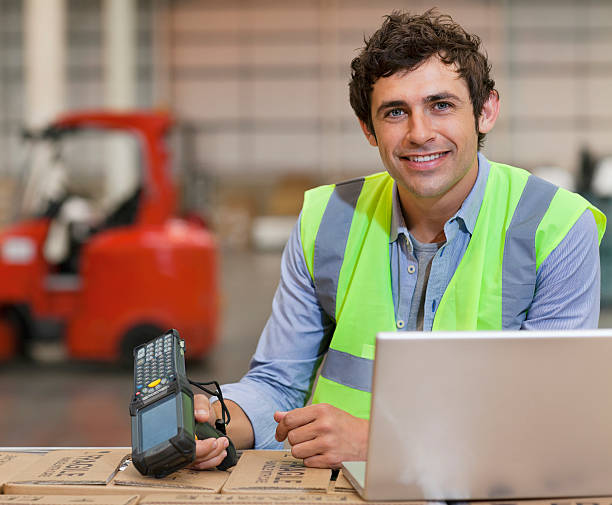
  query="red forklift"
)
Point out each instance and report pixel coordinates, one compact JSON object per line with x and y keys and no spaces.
{"x":127,"y":277}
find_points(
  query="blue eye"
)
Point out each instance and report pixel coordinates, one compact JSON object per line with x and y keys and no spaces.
{"x":442,"y":105}
{"x":396,"y":112}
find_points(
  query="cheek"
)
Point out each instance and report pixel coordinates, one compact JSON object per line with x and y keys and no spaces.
{"x":386,"y":156}
{"x":469,"y":130}
{"x":386,"y":151}
{"x":388,"y":141}
{"x":382,"y":152}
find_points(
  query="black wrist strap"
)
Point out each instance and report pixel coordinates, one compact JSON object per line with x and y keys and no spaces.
{"x":220,"y":424}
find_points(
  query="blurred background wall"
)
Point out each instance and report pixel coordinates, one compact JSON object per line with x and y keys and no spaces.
{"x":261,"y":85}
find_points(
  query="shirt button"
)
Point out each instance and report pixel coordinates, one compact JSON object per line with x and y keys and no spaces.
{"x":400,"y":324}
{"x":411,"y":269}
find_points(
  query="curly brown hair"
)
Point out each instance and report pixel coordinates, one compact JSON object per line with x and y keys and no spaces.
{"x":404,"y":42}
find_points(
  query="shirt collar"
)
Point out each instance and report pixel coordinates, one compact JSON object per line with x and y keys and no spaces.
{"x":467,"y":213}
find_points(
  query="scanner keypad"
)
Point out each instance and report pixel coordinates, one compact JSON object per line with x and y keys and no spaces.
{"x":154,"y":365}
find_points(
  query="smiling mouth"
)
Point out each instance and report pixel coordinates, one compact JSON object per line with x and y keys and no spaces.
{"x":424,"y":157}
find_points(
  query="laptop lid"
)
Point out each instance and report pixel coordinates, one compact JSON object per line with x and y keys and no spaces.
{"x":490,"y":415}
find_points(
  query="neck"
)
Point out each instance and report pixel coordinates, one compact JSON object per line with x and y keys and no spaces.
{"x":425,"y":217}
{"x":426,"y":223}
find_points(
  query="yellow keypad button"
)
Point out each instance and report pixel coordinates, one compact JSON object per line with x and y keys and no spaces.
{"x":154,"y":383}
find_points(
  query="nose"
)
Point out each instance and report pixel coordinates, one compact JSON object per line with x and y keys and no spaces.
{"x":420,"y":129}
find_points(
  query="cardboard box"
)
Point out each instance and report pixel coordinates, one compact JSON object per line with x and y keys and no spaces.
{"x":287,"y":195}
{"x":342,"y":484}
{"x":73,"y":467}
{"x":12,"y":463}
{"x":76,"y":490}
{"x":34,"y":499}
{"x":233,"y":217}
{"x":254,"y":499}
{"x":72,"y":490}
{"x":92,"y":472}
{"x":270,"y":499}
{"x":194,"y":481}
{"x":274,"y":472}
{"x":69,"y":472}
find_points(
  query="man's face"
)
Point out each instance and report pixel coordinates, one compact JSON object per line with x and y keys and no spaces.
{"x":425,"y":131}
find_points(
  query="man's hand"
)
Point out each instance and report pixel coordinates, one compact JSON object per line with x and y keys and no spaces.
{"x":211,"y":451}
{"x":322,"y":435}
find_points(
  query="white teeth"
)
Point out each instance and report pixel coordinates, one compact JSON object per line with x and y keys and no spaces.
{"x":429,"y":157}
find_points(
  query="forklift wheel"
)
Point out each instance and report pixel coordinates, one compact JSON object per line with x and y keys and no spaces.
{"x":134,"y":337}
{"x":8,"y":340}
{"x":15,"y":329}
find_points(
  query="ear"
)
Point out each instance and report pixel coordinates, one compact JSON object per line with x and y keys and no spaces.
{"x":369,"y":135}
{"x":489,"y":113}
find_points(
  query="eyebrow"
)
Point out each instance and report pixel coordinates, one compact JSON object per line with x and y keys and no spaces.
{"x":390,"y":104}
{"x":428,"y":99}
{"x":445,"y":95}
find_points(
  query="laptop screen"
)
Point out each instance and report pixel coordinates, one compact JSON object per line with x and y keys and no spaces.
{"x":490,"y":415}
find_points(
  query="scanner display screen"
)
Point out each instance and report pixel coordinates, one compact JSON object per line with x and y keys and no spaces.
{"x":159,"y":423}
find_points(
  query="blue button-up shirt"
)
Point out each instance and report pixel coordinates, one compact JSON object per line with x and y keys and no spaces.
{"x":298,"y":331}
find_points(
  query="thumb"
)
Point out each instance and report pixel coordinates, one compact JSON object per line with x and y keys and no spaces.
{"x":201,"y":407}
{"x":279,"y":415}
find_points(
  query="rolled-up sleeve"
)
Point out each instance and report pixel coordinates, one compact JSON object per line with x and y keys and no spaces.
{"x":289,"y":351}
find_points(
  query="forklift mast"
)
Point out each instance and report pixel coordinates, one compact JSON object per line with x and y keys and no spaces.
{"x":158,"y":200}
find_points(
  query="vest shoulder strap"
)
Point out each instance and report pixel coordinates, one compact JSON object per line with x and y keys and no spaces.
{"x":326,"y":239}
{"x":327,"y":217}
{"x":565,"y":207}
{"x":522,"y":219}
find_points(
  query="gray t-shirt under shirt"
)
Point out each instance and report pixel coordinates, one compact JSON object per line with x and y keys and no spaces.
{"x":424,"y":254}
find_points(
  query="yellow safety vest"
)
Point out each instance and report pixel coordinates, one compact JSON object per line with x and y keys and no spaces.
{"x":345,"y":237}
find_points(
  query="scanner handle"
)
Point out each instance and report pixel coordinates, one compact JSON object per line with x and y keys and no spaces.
{"x":205,"y":430}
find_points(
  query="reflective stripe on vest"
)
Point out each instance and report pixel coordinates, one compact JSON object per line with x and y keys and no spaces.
{"x":519,"y":263}
{"x":359,"y":303}
{"x":348,"y":370}
{"x":330,"y":243}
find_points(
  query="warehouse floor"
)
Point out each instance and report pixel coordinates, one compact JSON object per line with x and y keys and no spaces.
{"x":56,"y":402}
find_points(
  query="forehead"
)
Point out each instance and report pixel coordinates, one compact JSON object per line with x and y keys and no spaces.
{"x":430,"y":78}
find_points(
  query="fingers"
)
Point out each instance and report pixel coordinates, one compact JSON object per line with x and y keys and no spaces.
{"x":303,"y":434}
{"x":323,"y":435}
{"x":302,"y":416}
{"x":281,"y":429}
{"x":201,"y":407}
{"x":210,"y":447}
{"x":288,"y":421}
{"x":307,"y":449}
{"x":210,"y":453}
{"x":318,"y":452}
{"x":322,"y":461}
{"x":279,"y":415}
{"x":296,"y":435}
{"x":210,"y":463}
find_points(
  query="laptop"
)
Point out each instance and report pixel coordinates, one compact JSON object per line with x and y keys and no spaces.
{"x":489,"y":415}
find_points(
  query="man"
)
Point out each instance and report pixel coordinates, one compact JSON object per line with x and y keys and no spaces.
{"x":444,"y":239}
